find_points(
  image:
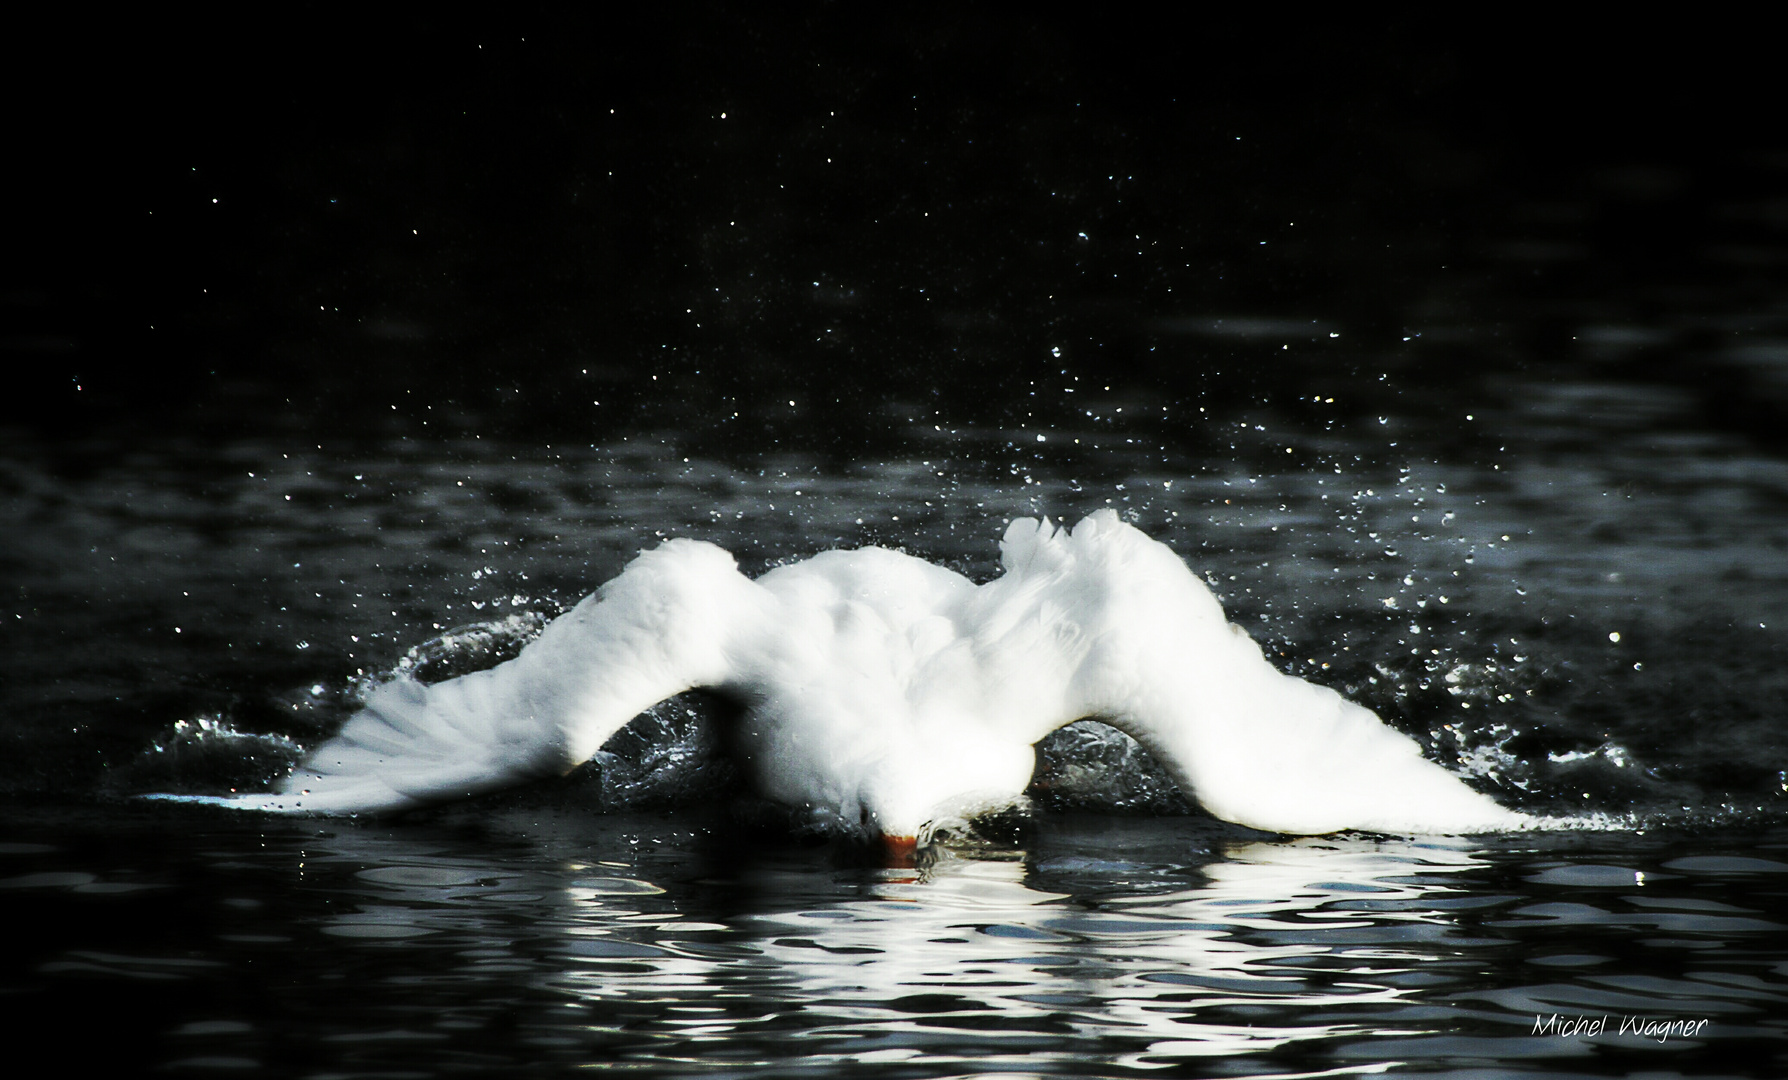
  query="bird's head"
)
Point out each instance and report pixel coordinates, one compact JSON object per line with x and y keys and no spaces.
{"x":904,"y":805}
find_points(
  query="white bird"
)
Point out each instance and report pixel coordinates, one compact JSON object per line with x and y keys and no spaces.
{"x":889,"y":695}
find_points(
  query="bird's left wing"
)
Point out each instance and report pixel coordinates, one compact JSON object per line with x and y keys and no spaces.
{"x":1143,"y":645}
{"x":662,"y":627}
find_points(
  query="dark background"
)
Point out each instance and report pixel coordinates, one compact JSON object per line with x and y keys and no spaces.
{"x":564,"y":226}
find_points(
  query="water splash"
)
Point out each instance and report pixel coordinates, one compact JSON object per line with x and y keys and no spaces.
{"x":465,"y":649}
{"x":670,"y":755}
{"x":208,"y":754}
{"x":1093,"y":766}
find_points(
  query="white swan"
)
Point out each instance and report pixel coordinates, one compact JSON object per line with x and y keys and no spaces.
{"x":895,"y":696}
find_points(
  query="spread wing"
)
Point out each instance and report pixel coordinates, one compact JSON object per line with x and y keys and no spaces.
{"x":1149,"y":651}
{"x":660,"y":628}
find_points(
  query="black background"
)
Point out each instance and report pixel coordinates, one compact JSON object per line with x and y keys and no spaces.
{"x":223,"y":222}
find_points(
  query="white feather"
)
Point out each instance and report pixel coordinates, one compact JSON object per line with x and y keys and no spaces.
{"x":886,"y":691}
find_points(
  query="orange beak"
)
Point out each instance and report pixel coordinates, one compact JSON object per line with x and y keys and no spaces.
{"x":898,"y":851}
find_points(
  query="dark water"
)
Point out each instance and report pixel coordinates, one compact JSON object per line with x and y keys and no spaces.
{"x":1459,"y":372}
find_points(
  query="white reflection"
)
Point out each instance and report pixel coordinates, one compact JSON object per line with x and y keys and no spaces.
{"x":920,"y":961}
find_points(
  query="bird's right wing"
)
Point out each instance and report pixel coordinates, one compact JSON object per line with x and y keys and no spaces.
{"x":660,"y":628}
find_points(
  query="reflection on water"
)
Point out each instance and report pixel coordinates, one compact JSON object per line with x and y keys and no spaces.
{"x":1106,"y":946}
